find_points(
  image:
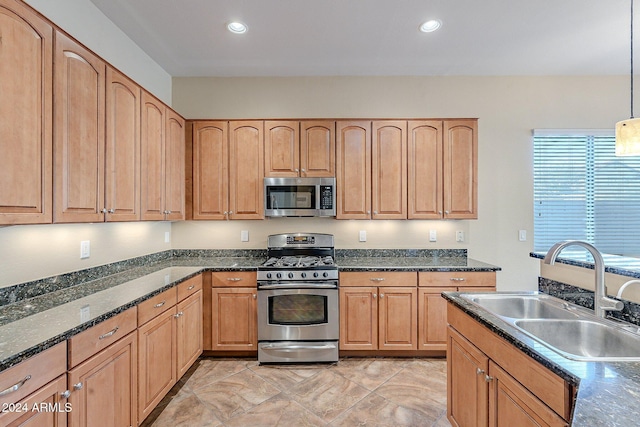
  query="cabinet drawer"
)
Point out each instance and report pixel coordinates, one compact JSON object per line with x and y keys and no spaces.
{"x":189,"y":287}
{"x":379,"y":278}
{"x":154,"y":306}
{"x":28,"y":376}
{"x":102,"y":335}
{"x":234,"y":279}
{"x":465,"y":279}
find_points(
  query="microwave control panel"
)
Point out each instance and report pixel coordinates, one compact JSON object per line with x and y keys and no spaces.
{"x":326,"y":197}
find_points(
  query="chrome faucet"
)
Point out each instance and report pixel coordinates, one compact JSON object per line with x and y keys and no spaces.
{"x":625,"y":285}
{"x":602,"y":303}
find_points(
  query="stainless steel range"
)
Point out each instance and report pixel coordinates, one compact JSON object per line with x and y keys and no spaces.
{"x":298,"y":300}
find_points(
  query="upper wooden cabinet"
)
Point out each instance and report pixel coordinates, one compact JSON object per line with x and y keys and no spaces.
{"x":443,"y":169}
{"x":26,"y":79}
{"x":246,"y":170}
{"x":210,"y":170}
{"x":305,"y":149}
{"x":353,"y":169}
{"x":79,"y":143}
{"x":162,"y":154}
{"x":389,"y":170}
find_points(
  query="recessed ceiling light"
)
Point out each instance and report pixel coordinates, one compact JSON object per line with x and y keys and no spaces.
{"x":237,"y":27}
{"x":430,"y":26}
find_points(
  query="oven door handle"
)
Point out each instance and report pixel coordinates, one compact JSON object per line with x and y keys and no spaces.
{"x":298,"y":347}
{"x":299,"y":286}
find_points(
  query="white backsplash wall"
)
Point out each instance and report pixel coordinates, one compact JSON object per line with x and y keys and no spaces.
{"x":30,"y":252}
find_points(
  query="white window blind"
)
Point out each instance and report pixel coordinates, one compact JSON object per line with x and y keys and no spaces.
{"x":583,"y":191}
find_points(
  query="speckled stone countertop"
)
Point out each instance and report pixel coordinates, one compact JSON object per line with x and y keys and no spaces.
{"x":608,"y":392}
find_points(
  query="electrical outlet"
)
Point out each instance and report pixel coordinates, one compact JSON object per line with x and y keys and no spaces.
{"x":244,"y":235}
{"x":85,"y":249}
{"x":167,"y":237}
{"x":459,"y":236}
{"x":433,"y":236}
{"x":362,"y":236}
{"x":85,"y":313}
{"x":522,"y":235}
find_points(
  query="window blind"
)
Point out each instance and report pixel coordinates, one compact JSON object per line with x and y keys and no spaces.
{"x":583,"y":191}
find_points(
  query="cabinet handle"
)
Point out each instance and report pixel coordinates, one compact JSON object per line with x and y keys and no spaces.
{"x":440,"y":212}
{"x":447,"y":212}
{"x":230,"y":212}
{"x":111,"y":211}
{"x":225,"y":213}
{"x":375,"y":296}
{"x":191,"y":287}
{"x":304,"y":170}
{"x":296,"y":170}
{"x":375,"y":212}
{"x":376,"y":279}
{"x":368,"y":212}
{"x":160,"y":304}
{"x":177,"y":315}
{"x":15,"y":387}
{"x":457,"y":279}
{"x":255,"y":296}
{"x":108,"y":334}
{"x":104,"y":210}
{"x":65,"y":394}
{"x":77,"y":386}
{"x":479,"y":371}
{"x":381,"y":295}
{"x":488,"y":379}
{"x":234,"y":279}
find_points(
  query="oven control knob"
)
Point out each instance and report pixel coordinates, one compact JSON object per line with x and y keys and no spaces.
{"x":268,"y":275}
{"x":325,"y":274}
{"x":315,"y":274}
{"x":279,"y":275}
{"x":303,"y":275}
{"x":290,"y":275}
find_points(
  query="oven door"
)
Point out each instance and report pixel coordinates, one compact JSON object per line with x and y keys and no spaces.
{"x":298,"y":314}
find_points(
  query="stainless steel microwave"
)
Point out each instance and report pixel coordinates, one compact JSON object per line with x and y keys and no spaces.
{"x":300,"y":196}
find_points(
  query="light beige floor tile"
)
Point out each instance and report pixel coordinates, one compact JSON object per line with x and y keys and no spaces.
{"x":235,"y":394}
{"x":286,"y":376}
{"x":376,"y":411}
{"x":279,"y":411}
{"x":369,"y":372}
{"x":211,"y":371}
{"x":327,"y":394}
{"x":186,"y":410}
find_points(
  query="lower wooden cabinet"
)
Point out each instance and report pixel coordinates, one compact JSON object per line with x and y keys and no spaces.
{"x":104,"y":387}
{"x":490,"y":382}
{"x":188,"y":332}
{"x":234,"y":319}
{"x":46,"y":407}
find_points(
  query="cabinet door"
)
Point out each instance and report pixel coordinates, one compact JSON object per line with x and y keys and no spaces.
{"x":318,"y":148}
{"x":246,"y":170}
{"x":210,"y":170}
{"x":122,"y":167}
{"x":425,"y":184}
{"x":156,"y":361}
{"x":359,"y":318}
{"x":49,"y":397}
{"x":510,"y":403}
{"x":152,"y":171}
{"x":174,"y":166}
{"x":389,"y":170}
{"x":26,"y":78}
{"x":398,"y":317}
{"x":104,"y":388}
{"x":432,"y":318}
{"x":461,"y":169}
{"x":234,"y":319}
{"x":79,"y":133}
{"x":353,"y":169}
{"x":467,"y":388}
{"x":281,"y":148}
{"x":189,"y":332}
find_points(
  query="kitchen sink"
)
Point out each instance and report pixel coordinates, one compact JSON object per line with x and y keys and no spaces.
{"x":583,"y":339}
{"x":526,"y":306}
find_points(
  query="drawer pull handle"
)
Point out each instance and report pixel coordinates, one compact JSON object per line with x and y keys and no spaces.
{"x":177,"y":315}
{"x":457,"y":279}
{"x":65,"y":394}
{"x":377,"y":279}
{"x":234,"y":279}
{"x":77,"y":386}
{"x":479,"y":371}
{"x":488,"y":379}
{"x":108,"y":334}
{"x":191,"y":287}
{"x":15,"y":387}
{"x":160,"y":304}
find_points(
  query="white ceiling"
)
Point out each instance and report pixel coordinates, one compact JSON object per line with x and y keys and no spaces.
{"x":379,"y":37}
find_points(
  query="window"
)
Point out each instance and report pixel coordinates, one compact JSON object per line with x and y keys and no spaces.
{"x":583,"y":191}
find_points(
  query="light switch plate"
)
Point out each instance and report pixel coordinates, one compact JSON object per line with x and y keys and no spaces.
{"x":522,"y":235}
{"x":433,"y":236}
{"x":362,"y":236}
{"x":244,"y":235}
{"x":459,"y":236}
{"x":85,"y":249}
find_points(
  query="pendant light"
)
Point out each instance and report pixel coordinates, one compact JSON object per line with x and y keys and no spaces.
{"x":628,"y":131}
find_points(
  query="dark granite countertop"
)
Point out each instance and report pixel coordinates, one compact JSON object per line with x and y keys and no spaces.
{"x":439,"y":263}
{"x":608,"y":392}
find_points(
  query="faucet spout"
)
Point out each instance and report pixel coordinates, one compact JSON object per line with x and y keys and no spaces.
{"x":626,"y":285}
{"x":602,"y":302}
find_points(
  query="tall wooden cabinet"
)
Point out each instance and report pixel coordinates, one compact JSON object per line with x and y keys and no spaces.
{"x":460,"y":169}
{"x":246,"y":170}
{"x":353,"y":169}
{"x":79,"y":143}
{"x":26,"y":79}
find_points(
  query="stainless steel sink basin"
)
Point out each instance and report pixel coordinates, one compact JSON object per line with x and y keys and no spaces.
{"x":583,"y":339}
{"x":527,"y":306}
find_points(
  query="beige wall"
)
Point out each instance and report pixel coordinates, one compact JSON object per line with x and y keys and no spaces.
{"x":508,"y":109}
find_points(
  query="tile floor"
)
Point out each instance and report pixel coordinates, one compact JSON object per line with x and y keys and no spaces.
{"x":353,"y":392}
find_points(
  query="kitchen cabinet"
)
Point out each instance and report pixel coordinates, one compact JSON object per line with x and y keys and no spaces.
{"x":102,"y":375}
{"x":234,"y":316}
{"x":162,"y":156}
{"x":189,"y":324}
{"x":305,"y":149}
{"x":79,"y":143}
{"x":50,"y":403}
{"x":246,"y":170}
{"x":26,"y":85}
{"x":432,"y":308}
{"x":382,"y":317}
{"x":372,"y":169}
{"x":443,"y":169}
{"x":490,"y":382}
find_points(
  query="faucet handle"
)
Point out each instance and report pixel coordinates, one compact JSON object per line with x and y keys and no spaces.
{"x":611,"y":304}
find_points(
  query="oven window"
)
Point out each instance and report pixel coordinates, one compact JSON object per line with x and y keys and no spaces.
{"x":291,"y":197}
{"x":299,"y":309}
